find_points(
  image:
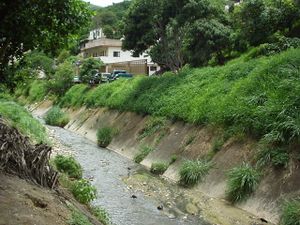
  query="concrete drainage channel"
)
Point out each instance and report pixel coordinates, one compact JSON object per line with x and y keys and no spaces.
{"x":126,"y":205}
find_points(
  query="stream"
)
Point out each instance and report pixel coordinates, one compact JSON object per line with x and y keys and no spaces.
{"x":106,"y":170}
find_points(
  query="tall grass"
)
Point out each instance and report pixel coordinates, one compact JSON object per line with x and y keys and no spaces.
{"x":23,"y":121}
{"x":56,"y":117}
{"x":258,"y":96}
{"x":291,"y":213}
{"x":242,"y":182}
{"x":37,"y":91}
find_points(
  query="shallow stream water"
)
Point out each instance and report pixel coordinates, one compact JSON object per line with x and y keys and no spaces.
{"x":106,"y":169}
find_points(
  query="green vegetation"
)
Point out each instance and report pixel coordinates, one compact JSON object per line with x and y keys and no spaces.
{"x":37,"y":91}
{"x":278,"y":157}
{"x":192,"y":172}
{"x":159,"y":167}
{"x":83,"y":191}
{"x":89,"y":68}
{"x":101,"y":215}
{"x":68,"y":165}
{"x":190,"y":140}
{"x":217,"y":144}
{"x":242,"y":182}
{"x":291,"y":212}
{"x":23,"y":120}
{"x":78,"y":219}
{"x":173,"y":159}
{"x":153,"y":125}
{"x":240,"y":96}
{"x":105,"y":136}
{"x":143,"y":152}
{"x":56,"y":117}
{"x":74,"y":96}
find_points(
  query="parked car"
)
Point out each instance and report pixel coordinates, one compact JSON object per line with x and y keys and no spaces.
{"x":105,"y":77}
{"x":76,"y":80}
{"x":116,"y":72}
{"x":123,"y":75}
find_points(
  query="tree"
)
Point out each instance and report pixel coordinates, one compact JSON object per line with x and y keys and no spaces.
{"x":89,"y":68}
{"x":172,"y":31}
{"x":46,"y":24}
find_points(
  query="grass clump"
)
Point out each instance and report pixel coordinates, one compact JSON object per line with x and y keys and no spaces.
{"x":217,"y":144}
{"x":291,"y":213}
{"x":173,"y":159}
{"x":101,"y":214}
{"x":159,"y":167}
{"x":153,"y":125}
{"x":277,"y":156}
{"x":105,"y":136}
{"x":143,"y":152}
{"x":23,"y":121}
{"x":56,"y":117}
{"x":191,"y":172}
{"x":37,"y":91}
{"x":78,"y":218}
{"x":83,"y":191}
{"x":68,"y":165}
{"x":242,"y":182}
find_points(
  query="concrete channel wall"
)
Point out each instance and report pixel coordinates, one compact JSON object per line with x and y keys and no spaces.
{"x":187,"y":141}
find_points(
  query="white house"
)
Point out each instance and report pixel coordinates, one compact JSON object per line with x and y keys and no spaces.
{"x":110,"y":52}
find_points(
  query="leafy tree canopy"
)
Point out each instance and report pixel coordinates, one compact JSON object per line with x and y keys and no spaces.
{"x":44,"y":24}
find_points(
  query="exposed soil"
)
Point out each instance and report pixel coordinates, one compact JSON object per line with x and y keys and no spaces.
{"x":25,"y":203}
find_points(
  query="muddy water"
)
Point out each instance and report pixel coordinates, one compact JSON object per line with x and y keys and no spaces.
{"x":107,"y":170}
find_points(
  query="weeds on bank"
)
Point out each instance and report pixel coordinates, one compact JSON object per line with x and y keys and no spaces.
{"x":101,"y":214}
{"x":291,"y":212}
{"x":159,"y":167}
{"x":242,"y":182}
{"x":105,"y":136}
{"x":68,"y":165}
{"x":153,"y":125}
{"x":143,"y":152}
{"x":191,"y":172}
{"x":56,"y":117}
{"x":277,"y":156}
{"x":78,"y":218}
{"x":83,"y":191}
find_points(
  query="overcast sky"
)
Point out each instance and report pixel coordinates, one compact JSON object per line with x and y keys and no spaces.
{"x":103,"y":2}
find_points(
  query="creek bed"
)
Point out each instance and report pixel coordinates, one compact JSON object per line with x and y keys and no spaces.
{"x":106,"y":170}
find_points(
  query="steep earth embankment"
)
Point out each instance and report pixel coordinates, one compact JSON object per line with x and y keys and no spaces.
{"x":187,"y":141}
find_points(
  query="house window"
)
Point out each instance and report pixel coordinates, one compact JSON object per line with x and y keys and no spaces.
{"x":116,"y":54}
{"x":102,"y":53}
{"x":153,"y":68}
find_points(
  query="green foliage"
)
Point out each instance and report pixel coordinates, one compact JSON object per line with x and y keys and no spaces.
{"x":38,"y":26}
{"x":37,"y":60}
{"x":78,"y":219}
{"x":102,"y":215}
{"x":217,"y":144}
{"x":74,"y":96}
{"x":68,"y":165}
{"x":143,"y":152}
{"x":63,"y":79}
{"x":105,"y":136}
{"x":190,"y":140}
{"x":89,"y":68}
{"x":153,"y":125}
{"x":279,"y":157}
{"x":291,"y":212}
{"x":56,"y":117}
{"x":23,"y":121}
{"x":173,"y":159}
{"x":37,"y":91}
{"x":192,"y":172}
{"x":242,"y":182}
{"x":63,"y":55}
{"x":256,"y":97}
{"x":83,"y":191}
{"x":159,"y":167}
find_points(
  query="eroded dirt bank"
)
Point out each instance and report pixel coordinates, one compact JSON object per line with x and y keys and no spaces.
{"x":189,"y":142}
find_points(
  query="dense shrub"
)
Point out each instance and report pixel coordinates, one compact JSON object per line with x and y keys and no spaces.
{"x":83,"y":191}
{"x":37,"y":91}
{"x":89,"y":68}
{"x":105,"y":136}
{"x":291,"y":213}
{"x":143,"y":152}
{"x":68,"y":165}
{"x":278,"y":157}
{"x":56,"y":117}
{"x":74,"y":96}
{"x":242,"y":182}
{"x":63,"y":79}
{"x":23,"y":120}
{"x":192,"y":172}
{"x":159,"y":167}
